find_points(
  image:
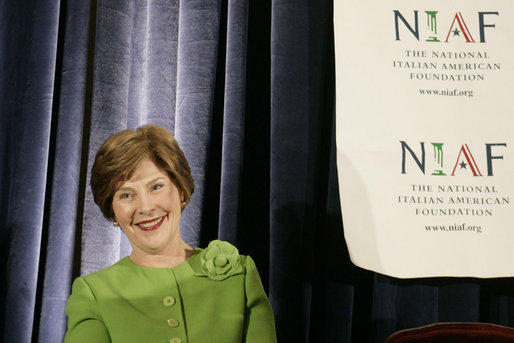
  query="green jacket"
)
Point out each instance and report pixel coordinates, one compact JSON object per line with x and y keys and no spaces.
{"x":200,"y":300}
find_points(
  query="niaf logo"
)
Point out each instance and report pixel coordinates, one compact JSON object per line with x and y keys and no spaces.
{"x":464,"y":160}
{"x":457,"y":26}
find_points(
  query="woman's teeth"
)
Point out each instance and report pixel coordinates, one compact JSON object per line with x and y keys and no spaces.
{"x":149,"y":224}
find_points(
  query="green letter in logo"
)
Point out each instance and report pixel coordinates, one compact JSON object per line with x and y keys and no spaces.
{"x":432,"y":25}
{"x":438,"y":156}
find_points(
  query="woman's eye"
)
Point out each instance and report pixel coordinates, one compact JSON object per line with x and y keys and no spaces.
{"x":124,"y":196}
{"x":156,"y":187}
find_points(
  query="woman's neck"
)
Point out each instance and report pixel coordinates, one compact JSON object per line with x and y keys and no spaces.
{"x":166,"y":259}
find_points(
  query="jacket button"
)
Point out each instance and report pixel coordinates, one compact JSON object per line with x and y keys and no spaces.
{"x":173,"y":322}
{"x":168,"y":301}
{"x":175,"y":340}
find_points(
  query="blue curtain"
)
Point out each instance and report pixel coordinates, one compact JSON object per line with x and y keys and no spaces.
{"x":247,"y":87}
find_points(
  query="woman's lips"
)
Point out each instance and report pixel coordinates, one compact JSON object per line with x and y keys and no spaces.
{"x":150,"y":225}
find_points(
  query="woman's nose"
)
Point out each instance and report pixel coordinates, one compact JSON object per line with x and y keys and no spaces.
{"x":146,"y":205}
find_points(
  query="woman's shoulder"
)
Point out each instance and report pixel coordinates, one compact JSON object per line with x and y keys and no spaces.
{"x":124,"y":263}
{"x":218,"y":261}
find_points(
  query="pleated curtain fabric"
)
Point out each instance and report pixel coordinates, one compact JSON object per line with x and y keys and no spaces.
{"x":28,"y":69}
{"x":64,"y":198}
{"x":247,"y":87}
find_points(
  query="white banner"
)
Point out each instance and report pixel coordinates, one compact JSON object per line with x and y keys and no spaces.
{"x":425,"y":131}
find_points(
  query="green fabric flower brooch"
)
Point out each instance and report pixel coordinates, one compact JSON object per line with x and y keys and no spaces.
{"x":220,"y":260}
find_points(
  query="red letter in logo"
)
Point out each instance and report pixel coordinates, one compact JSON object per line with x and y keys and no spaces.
{"x":471,"y":161}
{"x":463,"y":28}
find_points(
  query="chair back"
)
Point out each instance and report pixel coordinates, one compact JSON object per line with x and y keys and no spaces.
{"x":454,"y":333}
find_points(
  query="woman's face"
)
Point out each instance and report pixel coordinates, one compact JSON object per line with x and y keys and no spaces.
{"x":147,"y":207}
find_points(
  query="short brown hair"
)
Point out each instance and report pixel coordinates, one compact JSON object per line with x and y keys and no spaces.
{"x":120,"y":155}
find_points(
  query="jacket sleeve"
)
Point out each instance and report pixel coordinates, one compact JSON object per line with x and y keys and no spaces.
{"x":259,"y":322}
{"x":84,"y":322}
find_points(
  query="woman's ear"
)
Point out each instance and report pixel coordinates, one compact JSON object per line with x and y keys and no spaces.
{"x":182,"y":201}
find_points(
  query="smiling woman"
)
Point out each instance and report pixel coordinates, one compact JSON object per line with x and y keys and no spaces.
{"x":142,"y":182}
{"x":147,"y":208}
